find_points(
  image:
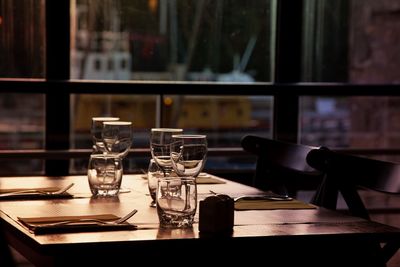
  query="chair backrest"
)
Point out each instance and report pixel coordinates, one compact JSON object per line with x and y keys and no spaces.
{"x":346,"y":173}
{"x":281,"y":166}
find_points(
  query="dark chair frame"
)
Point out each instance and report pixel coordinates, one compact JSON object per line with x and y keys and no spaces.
{"x":281,"y":166}
{"x":346,"y":174}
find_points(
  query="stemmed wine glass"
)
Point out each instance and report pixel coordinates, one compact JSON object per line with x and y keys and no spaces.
{"x":153,"y":174}
{"x":160,"y":140}
{"x":96,"y":132}
{"x":188,"y":154}
{"x":117,"y":137}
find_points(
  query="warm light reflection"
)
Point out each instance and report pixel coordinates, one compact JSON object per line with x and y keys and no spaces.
{"x":168,"y":101}
{"x":153,"y":4}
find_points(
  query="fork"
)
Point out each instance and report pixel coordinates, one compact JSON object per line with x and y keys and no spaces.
{"x":97,"y":221}
{"x":20,"y":192}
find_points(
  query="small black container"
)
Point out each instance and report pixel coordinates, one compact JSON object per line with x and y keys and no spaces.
{"x":216,"y":215}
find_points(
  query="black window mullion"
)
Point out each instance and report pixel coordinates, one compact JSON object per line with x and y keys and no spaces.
{"x":287,"y":68}
{"x":57,"y":69}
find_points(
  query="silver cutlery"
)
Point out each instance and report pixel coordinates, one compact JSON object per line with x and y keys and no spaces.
{"x":37,"y":191}
{"x":268,"y":196}
{"x":272,"y":197}
{"x":88,"y":220}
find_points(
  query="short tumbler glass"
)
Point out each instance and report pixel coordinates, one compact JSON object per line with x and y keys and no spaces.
{"x":105,"y":174}
{"x":176,"y":201}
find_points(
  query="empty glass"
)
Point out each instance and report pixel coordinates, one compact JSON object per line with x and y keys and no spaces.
{"x":176,"y":201}
{"x":160,"y":139}
{"x":188,"y":154}
{"x":153,"y":174}
{"x":117,"y":137}
{"x":105,"y":174}
{"x":96,"y":130}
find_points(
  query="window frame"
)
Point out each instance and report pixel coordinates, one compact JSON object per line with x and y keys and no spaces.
{"x":285,"y":89}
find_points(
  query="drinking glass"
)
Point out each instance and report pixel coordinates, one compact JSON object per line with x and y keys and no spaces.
{"x":105,"y":174}
{"x":117,"y":137}
{"x":153,"y":174}
{"x":160,"y":139}
{"x":176,"y":201}
{"x":188,"y":154}
{"x":96,"y":130}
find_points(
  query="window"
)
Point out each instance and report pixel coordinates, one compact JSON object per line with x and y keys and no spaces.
{"x":207,"y":66}
{"x":354,"y":42}
{"x":22,"y":56}
{"x":192,"y":41}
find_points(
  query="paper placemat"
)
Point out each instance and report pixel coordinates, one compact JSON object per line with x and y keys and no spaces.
{"x":32,"y":195}
{"x":204,"y":178}
{"x":46,"y":189}
{"x":271,"y":205}
{"x":43,"y":225}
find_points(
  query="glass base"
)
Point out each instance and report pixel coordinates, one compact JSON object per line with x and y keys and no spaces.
{"x":176,"y":221}
{"x":105,"y":192}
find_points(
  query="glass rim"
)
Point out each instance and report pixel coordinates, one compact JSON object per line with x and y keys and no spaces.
{"x":187,"y":136}
{"x":105,"y":156}
{"x":117,"y":123}
{"x":173,"y":178}
{"x":105,"y":119}
{"x":172,"y":130}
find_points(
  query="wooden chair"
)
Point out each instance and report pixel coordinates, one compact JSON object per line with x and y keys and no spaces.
{"x":346,"y":174}
{"x":281,"y":166}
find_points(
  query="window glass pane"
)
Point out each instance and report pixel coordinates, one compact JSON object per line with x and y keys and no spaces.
{"x":374,"y":31}
{"x":140,"y":110}
{"x":357,"y":42}
{"x":21,"y":127}
{"x":223,"y":119}
{"x":351,"y":41}
{"x":176,"y":40}
{"x":22,"y":124}
{"x":223,"y":40}
{"x":22,"y":39}
{"x":357,"y":122}
{"x":327,"y":121}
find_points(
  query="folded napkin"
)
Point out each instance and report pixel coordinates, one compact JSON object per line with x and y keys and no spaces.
{"x":43,"y":225}
{"x":208,"y":179}
{"x":47,"y":189}
{"x":271,"y":205}
{"x":33,"y":195}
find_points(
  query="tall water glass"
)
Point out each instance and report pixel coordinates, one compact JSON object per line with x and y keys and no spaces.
{"x":96,"y":130}
{"x":160,"y":140}
{"x":188,"y":154}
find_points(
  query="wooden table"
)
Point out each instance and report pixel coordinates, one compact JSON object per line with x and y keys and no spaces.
{"x":292,"y":237}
